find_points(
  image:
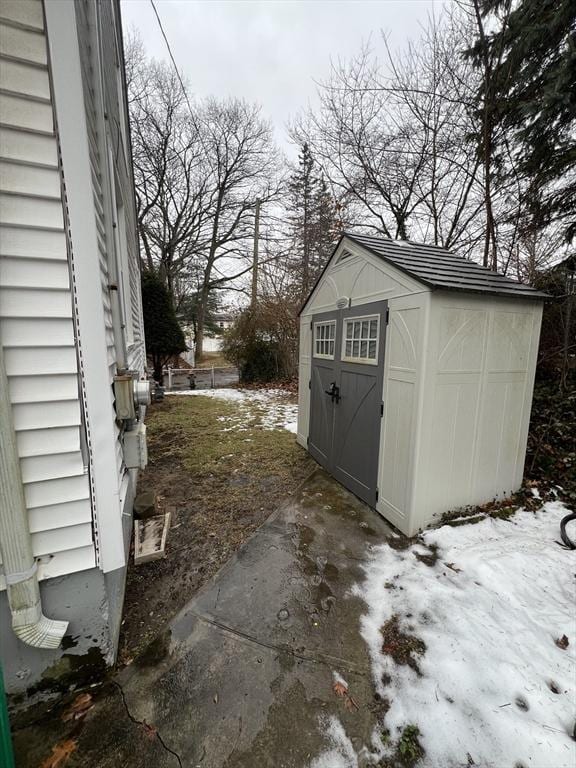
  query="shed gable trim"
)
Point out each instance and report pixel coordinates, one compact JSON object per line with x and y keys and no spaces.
{"x":358,"y":251}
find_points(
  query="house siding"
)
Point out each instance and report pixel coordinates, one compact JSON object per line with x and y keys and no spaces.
{"x":96,"y":101}
{"x":68,"y":247}
{"x":36,"y":302}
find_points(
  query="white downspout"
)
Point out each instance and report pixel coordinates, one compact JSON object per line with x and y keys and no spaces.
{"x":20,"y":568}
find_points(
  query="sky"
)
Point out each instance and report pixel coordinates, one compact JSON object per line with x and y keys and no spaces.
{"x":271,"y":51}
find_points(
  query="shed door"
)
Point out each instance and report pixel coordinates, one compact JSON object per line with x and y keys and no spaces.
{"x":323,"y":377}
{"x":346,"y":395}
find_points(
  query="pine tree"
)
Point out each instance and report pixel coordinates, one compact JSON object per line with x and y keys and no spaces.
{"x":312,"y":220}
{"x":188,"y":312}
{"x":164,"y":337}
{"x":532,"y":89}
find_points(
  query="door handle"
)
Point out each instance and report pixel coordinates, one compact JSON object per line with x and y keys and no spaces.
{"x":334,"y":392}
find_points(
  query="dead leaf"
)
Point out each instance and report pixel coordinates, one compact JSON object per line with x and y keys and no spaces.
{"x":60,"y":754}
{"x":562,"y":642}
{"x":351,"y":703}
{"x":81,"y":705}
{"x":340,"y":690}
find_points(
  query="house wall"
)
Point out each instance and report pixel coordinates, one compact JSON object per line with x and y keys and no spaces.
{"x":33,"y":674}
{"x":479,"y":378}
{"x":85,"y":63}
{"x":36,"y":303}
{"x":68,"y":251}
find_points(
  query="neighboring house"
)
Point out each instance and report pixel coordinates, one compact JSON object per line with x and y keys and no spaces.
{"x":223,"y":321}
{"x":72,"y":343}
{"x":213,"y":339}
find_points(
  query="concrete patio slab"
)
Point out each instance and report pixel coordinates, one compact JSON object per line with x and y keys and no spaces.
{"x":242,"y":678}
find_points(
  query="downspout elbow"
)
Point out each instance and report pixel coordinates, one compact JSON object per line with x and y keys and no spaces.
{"x":42,"y":633}
{"x":29,"y":623}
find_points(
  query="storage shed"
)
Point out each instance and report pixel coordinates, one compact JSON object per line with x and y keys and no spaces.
{"x":416,"y":377}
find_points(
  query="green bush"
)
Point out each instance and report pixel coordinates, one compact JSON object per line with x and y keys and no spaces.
{"x":260,"y":362}
{"x":261,"y":345}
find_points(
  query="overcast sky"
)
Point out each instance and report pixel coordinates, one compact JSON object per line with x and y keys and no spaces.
{"x":270,"y":51}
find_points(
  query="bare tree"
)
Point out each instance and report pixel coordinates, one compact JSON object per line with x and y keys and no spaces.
{"x":393,"y":139}
{"x":244,"y":169}
{"x":170,"y":168}
{"x":199,"y":168}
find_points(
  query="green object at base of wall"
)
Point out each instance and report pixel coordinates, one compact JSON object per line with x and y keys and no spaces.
{"x":6,"y":753}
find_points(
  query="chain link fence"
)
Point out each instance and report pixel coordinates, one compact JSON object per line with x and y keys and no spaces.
{"x":176,"y":379}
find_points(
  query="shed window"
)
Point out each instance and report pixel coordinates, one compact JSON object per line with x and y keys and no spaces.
{"x":324,"y":339}
{"x":360,"y":342}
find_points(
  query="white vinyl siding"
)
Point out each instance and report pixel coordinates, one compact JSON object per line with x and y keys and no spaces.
{"x":92,"y":85}
{"x":36,"y":325}
{"x":128,"y":257}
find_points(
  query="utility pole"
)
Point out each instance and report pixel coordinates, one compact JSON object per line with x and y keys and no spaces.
{"x":255,"y":257}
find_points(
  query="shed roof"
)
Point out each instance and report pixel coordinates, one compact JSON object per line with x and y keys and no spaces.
{"x":440,"y":269}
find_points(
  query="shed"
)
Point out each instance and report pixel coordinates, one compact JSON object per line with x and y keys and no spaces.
{"x":416,"y":377}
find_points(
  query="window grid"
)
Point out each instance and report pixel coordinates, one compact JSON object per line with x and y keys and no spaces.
{"x":325,"y":339}
{"x":360,"y":343}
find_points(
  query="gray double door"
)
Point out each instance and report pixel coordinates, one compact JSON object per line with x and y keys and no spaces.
{"x":346,"y":396}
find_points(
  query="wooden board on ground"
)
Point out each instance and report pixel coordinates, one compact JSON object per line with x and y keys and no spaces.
{"x":150,"y":538}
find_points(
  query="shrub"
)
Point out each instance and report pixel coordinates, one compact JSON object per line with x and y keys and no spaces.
{"x":263,"y":343}
{"x":164,"y":337}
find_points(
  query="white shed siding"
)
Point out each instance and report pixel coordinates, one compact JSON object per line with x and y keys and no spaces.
{"x":403,"y":382}
{"x":36,"y":323}
{"x":479,"y":382}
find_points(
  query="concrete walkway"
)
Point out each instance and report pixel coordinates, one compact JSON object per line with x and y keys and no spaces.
{"x":243,"y":676}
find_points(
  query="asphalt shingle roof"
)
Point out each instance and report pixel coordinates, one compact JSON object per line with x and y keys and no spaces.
{"x":440,"y":269}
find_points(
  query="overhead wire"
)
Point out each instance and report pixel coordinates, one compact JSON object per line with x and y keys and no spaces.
{"x":178,"y":75}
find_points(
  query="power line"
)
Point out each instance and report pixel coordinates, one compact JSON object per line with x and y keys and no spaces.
{"x":176,"y":70}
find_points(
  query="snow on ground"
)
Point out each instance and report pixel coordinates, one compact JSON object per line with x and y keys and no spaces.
{"x":491,"y":667}
{"x":272,"y":404}
{"x":341,"y":753}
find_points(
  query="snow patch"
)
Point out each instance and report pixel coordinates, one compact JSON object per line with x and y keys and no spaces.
{"x":339,"y":679}
{"x":276,"y":412}
{"x":341,"y":753}
{"x":489,"y":622}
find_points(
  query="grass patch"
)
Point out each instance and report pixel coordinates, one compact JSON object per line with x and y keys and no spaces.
{"x":215,"y":359}
{"x":408,"y":750}
{"x":404,"y":648}
{"x":221,"y":474}
{"x":429,"y":559}
{"x":191,"y":432}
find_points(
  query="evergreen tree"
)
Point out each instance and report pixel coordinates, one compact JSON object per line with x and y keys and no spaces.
{"x":312,"y":220}
{"x":188,"y":312}
{"x":532,"y":92}
{"x":164,"y":337}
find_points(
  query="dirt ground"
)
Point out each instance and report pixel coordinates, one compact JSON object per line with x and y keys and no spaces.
{"x":220,"y":485}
